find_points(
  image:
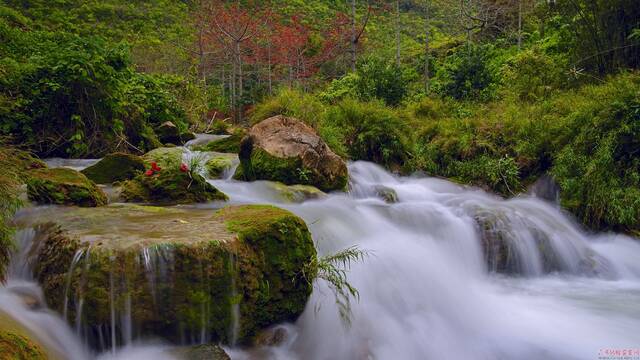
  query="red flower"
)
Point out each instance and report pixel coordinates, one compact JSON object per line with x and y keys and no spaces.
{"x":184,"y":167}
{"x":149,"y":172}
{"x":155,"y":167}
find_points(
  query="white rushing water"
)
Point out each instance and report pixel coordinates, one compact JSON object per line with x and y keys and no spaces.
{"x":426,"y":290}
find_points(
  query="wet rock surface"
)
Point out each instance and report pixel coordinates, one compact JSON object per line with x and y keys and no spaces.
{"x":287,"y":150}
{"x":183,"y":275}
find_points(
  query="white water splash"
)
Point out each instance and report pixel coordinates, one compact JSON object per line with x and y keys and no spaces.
{"x":426,"y":291}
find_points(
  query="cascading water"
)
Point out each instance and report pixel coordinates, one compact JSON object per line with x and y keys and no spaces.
{"x":426,"y":291}
{"x":453,"y":273}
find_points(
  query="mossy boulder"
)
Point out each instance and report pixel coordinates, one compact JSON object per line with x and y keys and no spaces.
{"x":165,"y":157}
{"x":218,"y":164}
{"x":174,"y":273}
{"x":170,"y":186}
{"x":287,"y":150}
{"x":297,"y":193}
{"x":63,"y":186}
{"x":18,"y":347}
{"x":16,"y":342}
{"x":115,"y":167}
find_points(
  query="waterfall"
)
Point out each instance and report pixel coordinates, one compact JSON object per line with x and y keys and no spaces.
{"x":430,"y":290}
{"x":453,"y":273}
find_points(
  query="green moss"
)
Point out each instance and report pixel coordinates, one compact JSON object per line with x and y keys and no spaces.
{"x":17,"y":347}
{"x":217,"y":165}
{"x":63,"y":187}
{"x":166,"y":157}
{"x":170,"y":186}
{"x":282,"y":245}
{"x":229,"y":144}
{"x":115,"y":167}
{"x":260,"y":165}
{"x":297,"y":193}
{"x":193,"y":264}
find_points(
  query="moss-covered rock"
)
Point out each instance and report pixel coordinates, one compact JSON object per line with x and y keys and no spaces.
{"x":18,"y":347}
{"x":63,"y":186}
{"x":115,"y":167}
{"x":170,"y":186}
{"x":230,"y":144}
{"x":201,"y":352}
{"x":218,"y":164}
{"x":297,"y":193}
{"x":286,"y":150}
{"x":17,"y":343}
{"x":176,"y":273}
{"x":165,"y":157}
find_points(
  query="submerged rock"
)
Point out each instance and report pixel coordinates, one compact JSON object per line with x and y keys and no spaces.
{"x":115,"y":167}
{"x":170,"y":186}
{"x":387,"y":194}
{"x":165,"y":157}
{"x":218,"y":164}
{"x":287,"y":150}
{"x":173,"y":273}
{"x":63,"y":187}
{"x":201,"y":352}
{"x":297,"y":193}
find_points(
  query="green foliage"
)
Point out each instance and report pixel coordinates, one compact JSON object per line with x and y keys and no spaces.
{"x":586,"y":139}
{"x":291,"y":103}
{"x":375,"y":79}
{"x":9,"y":203}
{"x":333,"y":269}
{"x":67,"y":95}
{"x":599,"y":170}
{"x":466,"y":74}
{"x":598,"y":34}
{"x":378,"y":79}
{"x":532,"y":75}
{"x":370,"y":131}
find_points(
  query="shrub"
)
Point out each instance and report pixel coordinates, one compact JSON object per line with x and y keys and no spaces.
{"x":599,"y":170}
{"x":466,"y":74}
{"x":65,"y":95}
{"x":370,"y":131}
{"x":532,"y":75}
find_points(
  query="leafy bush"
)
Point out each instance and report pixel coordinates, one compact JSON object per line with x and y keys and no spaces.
{"x":587,"y":139}
{"x":375,"y":79}
{"x":378,"y":79}
{"x":532,"y":75}
{"x":65,"y":95}
{"x":599,"y":170}
{"x":370,"y":131}
{"x":465,"y":74}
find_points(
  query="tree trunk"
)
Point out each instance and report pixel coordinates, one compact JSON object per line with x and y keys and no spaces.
{"x":427,"y":50}
{"x":269,"y":67}
{"x":353,"y":36}
{"x":398,"y":33}
{"x":519,"y":24}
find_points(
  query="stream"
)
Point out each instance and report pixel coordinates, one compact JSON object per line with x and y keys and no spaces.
{"x":426,"y":290}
